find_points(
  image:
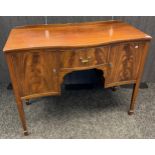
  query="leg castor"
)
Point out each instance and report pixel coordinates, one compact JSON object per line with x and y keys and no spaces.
{"x":26,"y":133}
{"x":27,"y":102}
{"x":130,"y":112}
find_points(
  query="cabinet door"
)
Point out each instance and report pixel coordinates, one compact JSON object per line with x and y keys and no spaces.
{"x":36,"y":72}
{"x":125,"y":59}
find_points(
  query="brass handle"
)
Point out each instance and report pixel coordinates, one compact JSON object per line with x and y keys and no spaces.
{"x":85,"y":60}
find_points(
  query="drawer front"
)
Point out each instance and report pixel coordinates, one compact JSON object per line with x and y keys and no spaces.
{"x":84,"y":57}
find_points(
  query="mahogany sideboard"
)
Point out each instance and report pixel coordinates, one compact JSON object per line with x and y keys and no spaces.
{"x":39,"y":56}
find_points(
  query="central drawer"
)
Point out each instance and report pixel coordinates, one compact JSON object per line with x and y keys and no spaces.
{"x":85,"y":57}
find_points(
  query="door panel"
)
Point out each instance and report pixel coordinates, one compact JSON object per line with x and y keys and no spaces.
{"x":36,"y":72}
{"x":125,"y":59}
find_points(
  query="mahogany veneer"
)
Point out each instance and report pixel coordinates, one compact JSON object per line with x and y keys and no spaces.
{"x":40,"y":56}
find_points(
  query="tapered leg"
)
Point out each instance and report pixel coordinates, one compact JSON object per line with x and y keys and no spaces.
{"x":136,"y":85}
{"x":133,"y":99}
{"x":16,"y":92}
{"x":22,"y":116}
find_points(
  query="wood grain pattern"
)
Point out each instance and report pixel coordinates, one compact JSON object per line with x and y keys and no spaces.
{"x":125,"y":59}
{"x":36,"y":72}
{"x":40,"y":72}
{"x":34,"y":69}
{"x":136,"y":85}
{"x":146,"y":24}
{"x":72,"y":35}
{"x":84,"y":57}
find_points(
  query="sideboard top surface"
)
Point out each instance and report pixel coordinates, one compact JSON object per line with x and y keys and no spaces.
{"x":71,"y":35}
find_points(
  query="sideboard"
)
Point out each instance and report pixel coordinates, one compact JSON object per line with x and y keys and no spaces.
{"x":40,"y":56}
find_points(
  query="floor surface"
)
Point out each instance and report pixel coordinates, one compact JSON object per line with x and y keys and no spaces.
{"x":94,"y":113}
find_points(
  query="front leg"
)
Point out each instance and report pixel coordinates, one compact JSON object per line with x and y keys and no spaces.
{"x":137,"y":84}
{"x":133,"y":99}
{"x":22,"y":116}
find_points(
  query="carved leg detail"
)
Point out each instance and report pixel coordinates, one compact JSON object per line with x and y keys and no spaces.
{"x":27,"y":102}
{"x":22,"y":116}
{"x":133,"y":99}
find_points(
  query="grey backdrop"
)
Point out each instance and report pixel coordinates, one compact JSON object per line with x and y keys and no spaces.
{"x":146,"y":24}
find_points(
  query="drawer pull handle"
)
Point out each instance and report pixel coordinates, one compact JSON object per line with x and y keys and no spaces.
{"x":136,"y":46}
{"x":84,"y":60}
